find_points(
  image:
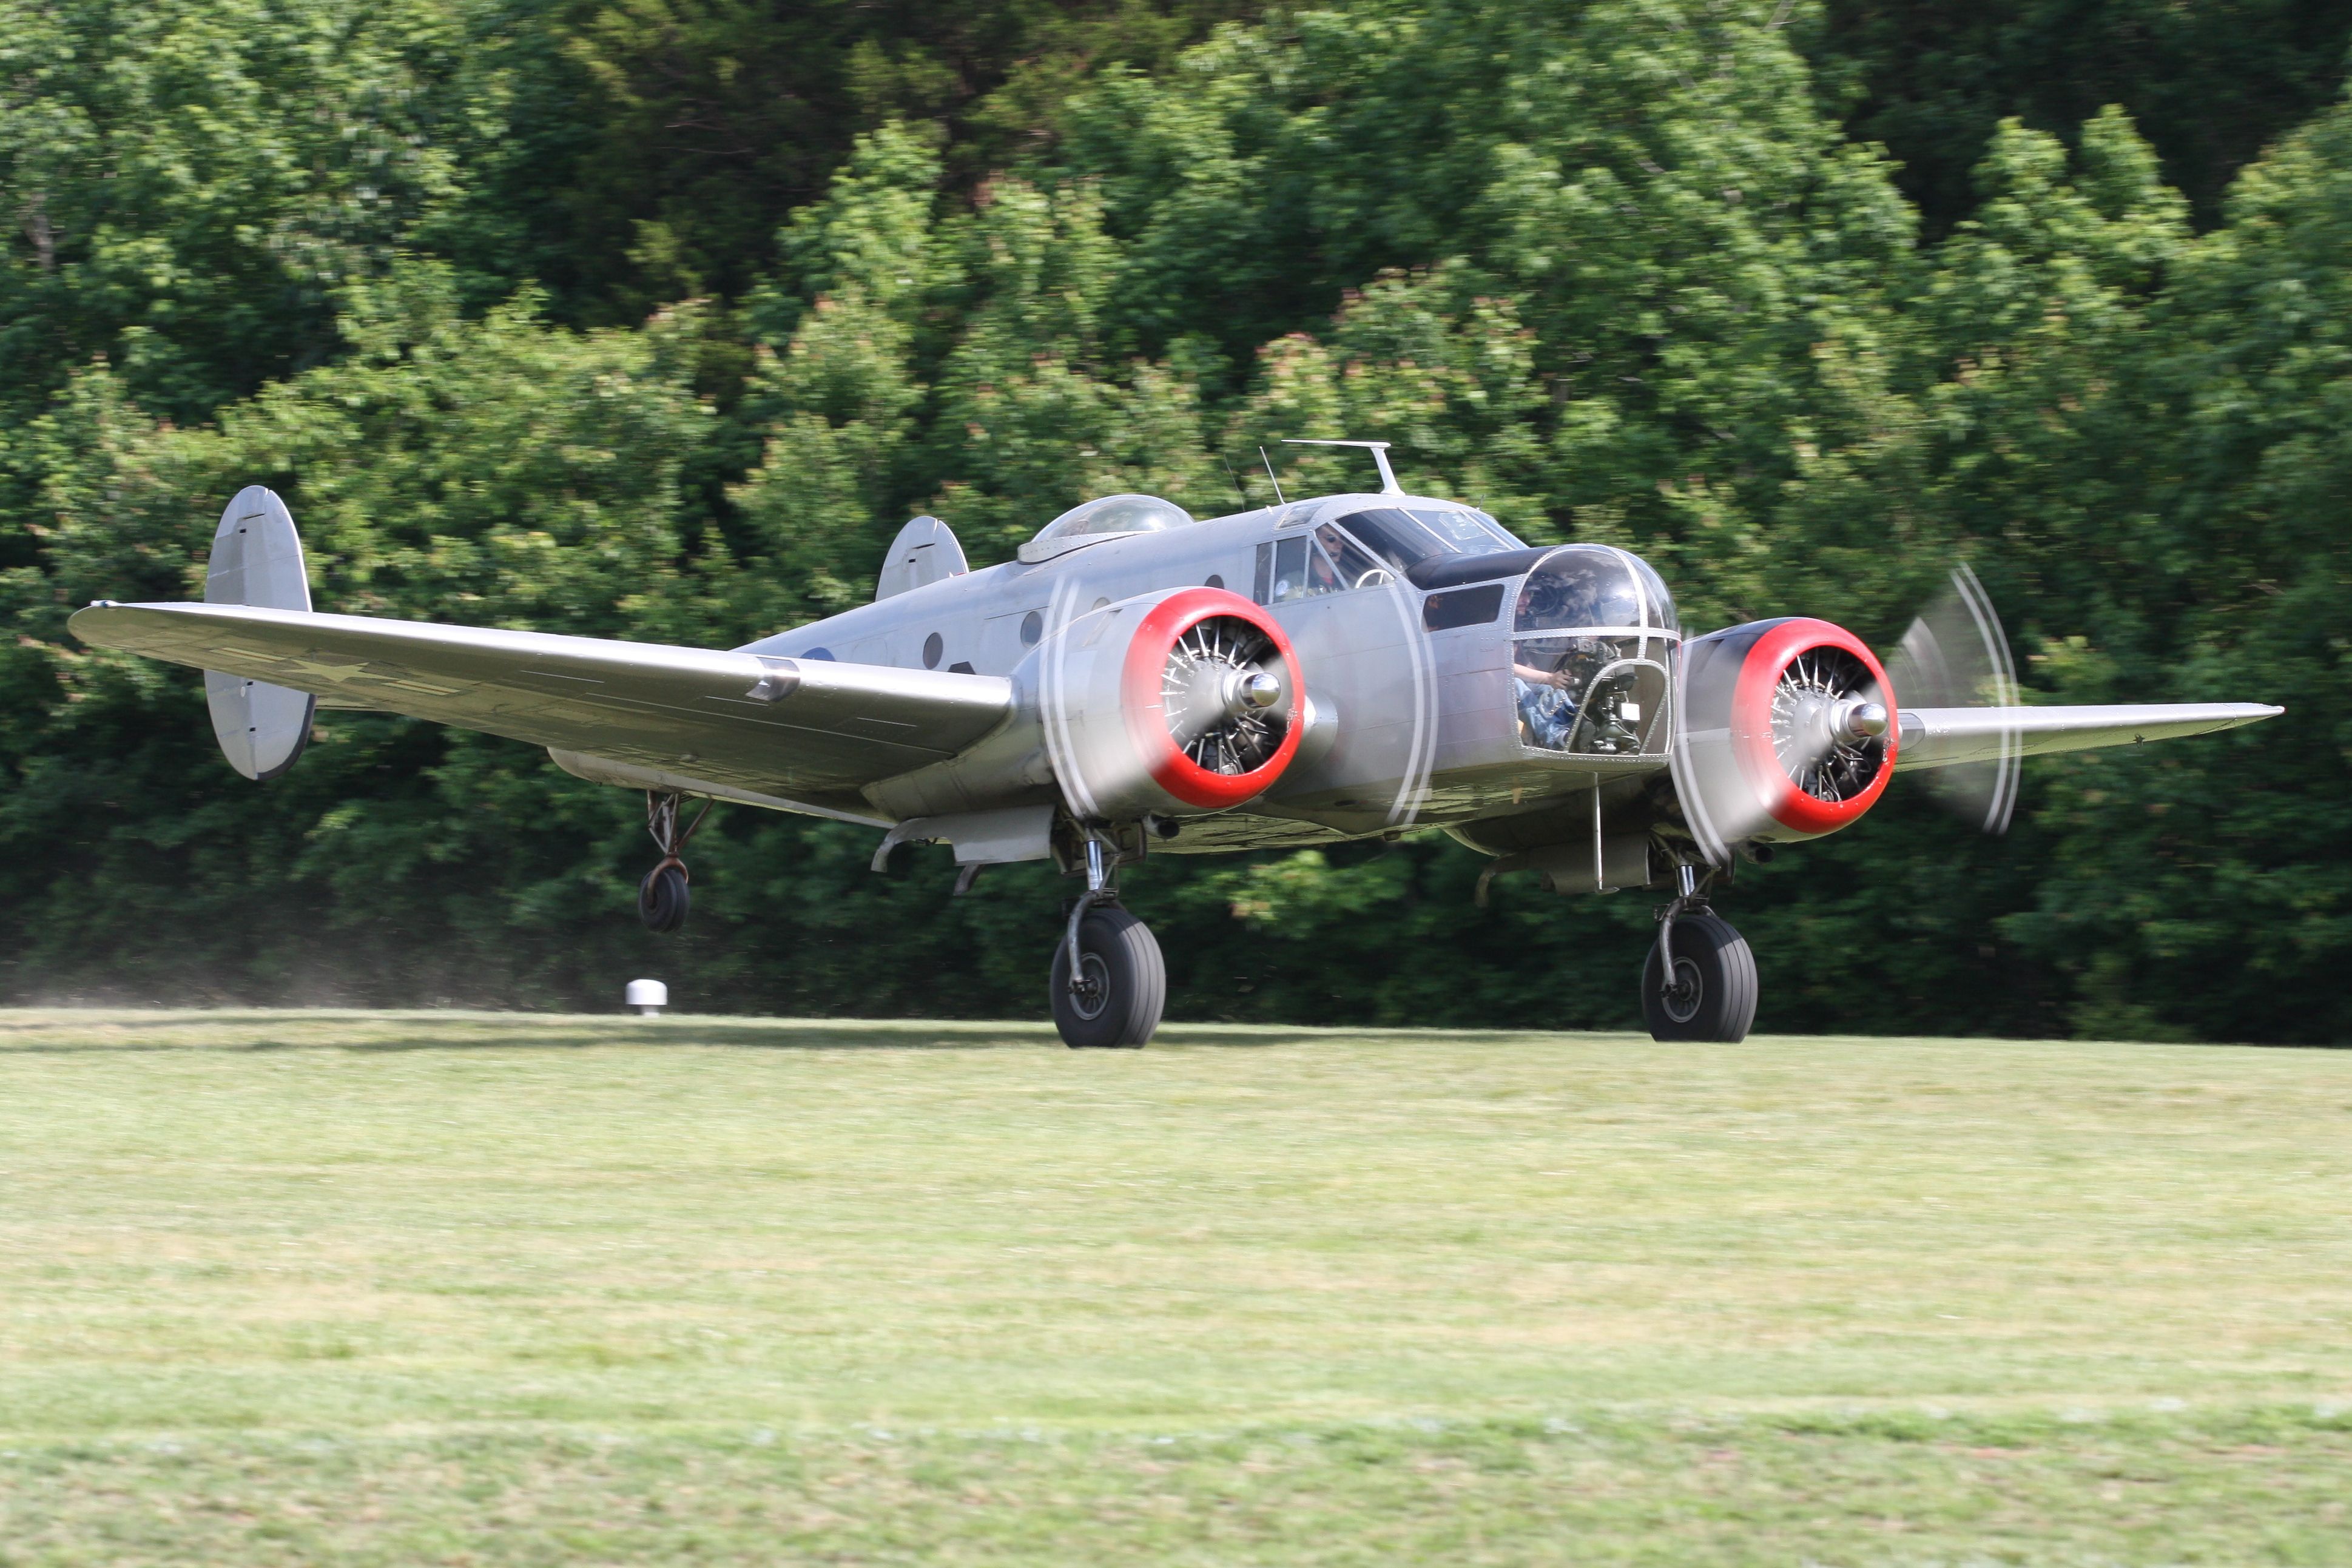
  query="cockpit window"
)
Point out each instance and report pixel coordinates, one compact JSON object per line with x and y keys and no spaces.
{"x":1593,"y":586}
{"x":1404,"y":537}
{"x":1295,"y":568}
{"x":1356,"y":566}
{"x":1094,"y":519}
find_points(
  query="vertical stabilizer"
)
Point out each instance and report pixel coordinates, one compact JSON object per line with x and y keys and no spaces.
{"x":257,"y":559}
{"x":925,"y":551}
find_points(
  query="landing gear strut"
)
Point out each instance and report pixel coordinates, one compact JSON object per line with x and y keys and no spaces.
{"x":663,"y":898}
{"x":1109,"y":981}
{"x":1700,"y":980}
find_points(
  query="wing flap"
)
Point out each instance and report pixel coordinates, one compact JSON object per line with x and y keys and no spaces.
{"x":1947,"y":737}
{"x":786,"y":727}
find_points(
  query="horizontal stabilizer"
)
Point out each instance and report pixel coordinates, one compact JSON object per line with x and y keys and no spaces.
{"x":801,"y":729}
{"x":1947,"y":737}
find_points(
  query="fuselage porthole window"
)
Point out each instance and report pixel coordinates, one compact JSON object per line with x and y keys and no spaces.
{"x":934,"y":646}
{"x":824,"y":654}
{"x":1032,"y":626}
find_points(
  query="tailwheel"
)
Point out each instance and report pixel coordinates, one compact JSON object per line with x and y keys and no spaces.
{"x":664,"y":898}
{"x":1711,"y":994}
{"x":1120,"y":986}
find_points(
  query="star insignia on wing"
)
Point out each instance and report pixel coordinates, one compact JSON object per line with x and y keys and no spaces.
{"x":336,"y":671}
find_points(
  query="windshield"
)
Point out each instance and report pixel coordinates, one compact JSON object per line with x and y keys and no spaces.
{"x":1404,"y":537}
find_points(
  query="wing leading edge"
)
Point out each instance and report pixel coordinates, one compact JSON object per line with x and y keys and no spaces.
{"x":803,"y":730}
{"x":1947,"y":737}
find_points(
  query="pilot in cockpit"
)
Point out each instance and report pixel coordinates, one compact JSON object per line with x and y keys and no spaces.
{"x":1322,"y":576}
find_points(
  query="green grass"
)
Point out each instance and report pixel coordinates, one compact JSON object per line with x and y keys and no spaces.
{"x":463,"y":1288}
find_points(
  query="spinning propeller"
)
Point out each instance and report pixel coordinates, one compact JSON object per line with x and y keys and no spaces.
{"x":1954,"y":657}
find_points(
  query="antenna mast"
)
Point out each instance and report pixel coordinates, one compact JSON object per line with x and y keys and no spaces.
{"x":1235,"y":478}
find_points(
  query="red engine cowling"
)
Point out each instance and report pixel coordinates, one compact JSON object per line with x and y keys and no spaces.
{"x":1173,"y":703}
{"x":1786,"y":732}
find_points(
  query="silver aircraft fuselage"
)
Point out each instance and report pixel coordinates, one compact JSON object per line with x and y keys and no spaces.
{"x":1416,"y":716}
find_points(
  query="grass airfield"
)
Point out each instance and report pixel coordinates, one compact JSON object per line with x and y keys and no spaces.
{"x":488,"y":1289}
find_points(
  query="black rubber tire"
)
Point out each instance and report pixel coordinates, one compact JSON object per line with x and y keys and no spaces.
{"x":664,"y":900}
{"x":1133,"y":975}
{"x":1715,"y":960}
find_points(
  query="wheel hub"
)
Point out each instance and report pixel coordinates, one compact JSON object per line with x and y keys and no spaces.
{"x":1684,"y":992}
{"x":1090,"y":988}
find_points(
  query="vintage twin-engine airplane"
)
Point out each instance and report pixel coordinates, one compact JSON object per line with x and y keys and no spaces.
{"x":1344,"y":668}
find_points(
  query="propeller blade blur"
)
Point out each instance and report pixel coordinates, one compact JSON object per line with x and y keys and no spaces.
{"x":1955,"y":656}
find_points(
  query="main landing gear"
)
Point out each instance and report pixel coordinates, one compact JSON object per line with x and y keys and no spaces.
{"x":1109,"y":982}
{"x":1700,"y":980}
{"x":663,"y":897}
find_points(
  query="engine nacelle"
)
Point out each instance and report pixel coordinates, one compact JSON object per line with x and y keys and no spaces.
{"x":1171,"y":704}
{"x":1786,"y":733}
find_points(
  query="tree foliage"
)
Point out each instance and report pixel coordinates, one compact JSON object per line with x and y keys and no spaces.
{"x":657,"y":318}
{"x":2211,"y":85}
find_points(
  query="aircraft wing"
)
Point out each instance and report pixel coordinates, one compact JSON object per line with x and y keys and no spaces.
{"x":1942,"y":736}
{"x":803,"y":730}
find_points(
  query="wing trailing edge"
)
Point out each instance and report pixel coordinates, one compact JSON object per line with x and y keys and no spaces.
{"x":793,"y":729}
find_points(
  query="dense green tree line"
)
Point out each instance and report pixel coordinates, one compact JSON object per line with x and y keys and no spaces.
{"x":2210,"y":84}
{"x":657,"y":318}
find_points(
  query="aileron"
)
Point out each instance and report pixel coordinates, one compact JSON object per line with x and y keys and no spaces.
{"x":758,"y":724}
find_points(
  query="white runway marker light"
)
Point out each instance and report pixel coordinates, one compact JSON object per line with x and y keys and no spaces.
{"x":648,"y":996}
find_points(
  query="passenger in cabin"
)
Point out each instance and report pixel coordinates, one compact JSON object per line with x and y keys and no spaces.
{"x":1543,"y":678}
{"x":1551,"y":675}
{"x":1546,"y":701}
